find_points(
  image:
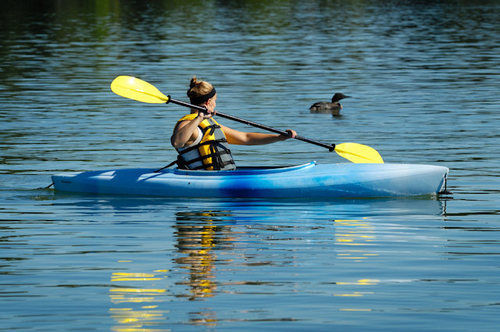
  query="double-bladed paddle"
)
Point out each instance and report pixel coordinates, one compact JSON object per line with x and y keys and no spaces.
{"x":137,"y":89}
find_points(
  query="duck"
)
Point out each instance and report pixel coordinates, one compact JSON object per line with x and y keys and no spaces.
{"x":333,"y":107}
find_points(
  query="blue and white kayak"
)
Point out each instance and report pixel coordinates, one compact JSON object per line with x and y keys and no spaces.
{"x":323,"y":181}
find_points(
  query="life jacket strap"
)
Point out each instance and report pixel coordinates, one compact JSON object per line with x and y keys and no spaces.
{"x":195,"y":147}
{"x":181,"y":163}
{"x":211,"y":128}
{"x":211,"y":155}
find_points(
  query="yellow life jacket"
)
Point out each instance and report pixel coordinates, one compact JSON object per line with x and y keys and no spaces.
{"x":211,"y":153}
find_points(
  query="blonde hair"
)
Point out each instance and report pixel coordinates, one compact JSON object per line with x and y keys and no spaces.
{"x":199,"y":90}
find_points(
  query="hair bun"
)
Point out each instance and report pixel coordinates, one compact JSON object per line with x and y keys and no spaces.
{"x":194,"y":82}
{"x":197,"y":89}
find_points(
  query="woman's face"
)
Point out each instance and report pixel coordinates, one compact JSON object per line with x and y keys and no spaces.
{"x":211,"y":103}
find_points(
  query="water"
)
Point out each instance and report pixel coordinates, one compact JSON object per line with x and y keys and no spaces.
{"x":424,"y":84}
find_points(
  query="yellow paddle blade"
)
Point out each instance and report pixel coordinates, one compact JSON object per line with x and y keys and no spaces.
{"x":137,"y":89}
{"x":359,"y":153}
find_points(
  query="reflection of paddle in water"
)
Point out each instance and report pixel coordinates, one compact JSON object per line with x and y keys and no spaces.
{"x":357,"y":235}
{"x":135,"y":301}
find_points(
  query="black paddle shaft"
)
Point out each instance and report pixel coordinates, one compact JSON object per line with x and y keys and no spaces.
{"x":330,"y":147}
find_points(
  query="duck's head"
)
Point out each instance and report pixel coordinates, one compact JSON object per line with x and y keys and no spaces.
{"x":338,"y":96}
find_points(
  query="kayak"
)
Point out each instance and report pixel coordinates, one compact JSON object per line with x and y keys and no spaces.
{"x":311,"y":180}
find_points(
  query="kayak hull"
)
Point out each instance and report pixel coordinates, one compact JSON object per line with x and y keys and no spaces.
{"x":309,"y":181}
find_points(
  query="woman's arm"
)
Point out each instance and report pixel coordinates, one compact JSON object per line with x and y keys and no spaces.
{"x":244,"y":138}
{"x":186,"y":132}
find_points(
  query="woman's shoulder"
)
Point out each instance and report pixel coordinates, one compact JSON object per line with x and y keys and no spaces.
{"x":188,"y":117}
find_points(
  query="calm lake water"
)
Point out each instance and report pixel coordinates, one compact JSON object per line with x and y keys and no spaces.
{"x":424,"y":81}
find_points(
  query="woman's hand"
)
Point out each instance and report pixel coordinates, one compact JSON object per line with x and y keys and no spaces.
{"x":291,"y":134}
{"x":206,"y":114}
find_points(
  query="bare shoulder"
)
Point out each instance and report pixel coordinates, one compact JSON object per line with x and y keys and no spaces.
{"x":181,"y":124}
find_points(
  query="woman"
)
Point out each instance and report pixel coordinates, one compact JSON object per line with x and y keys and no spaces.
{"x":202,"y":143}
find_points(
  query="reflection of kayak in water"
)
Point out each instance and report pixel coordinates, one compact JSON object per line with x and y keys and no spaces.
{"x":308,"y":181}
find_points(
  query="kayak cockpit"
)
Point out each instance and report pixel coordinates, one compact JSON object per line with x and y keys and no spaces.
{"x":244,"y":170}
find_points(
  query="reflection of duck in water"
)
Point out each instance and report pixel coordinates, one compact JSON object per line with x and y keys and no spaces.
{"x":333,"y":107}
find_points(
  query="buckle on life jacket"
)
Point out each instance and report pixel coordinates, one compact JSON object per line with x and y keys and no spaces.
{"x":210,"y":129}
